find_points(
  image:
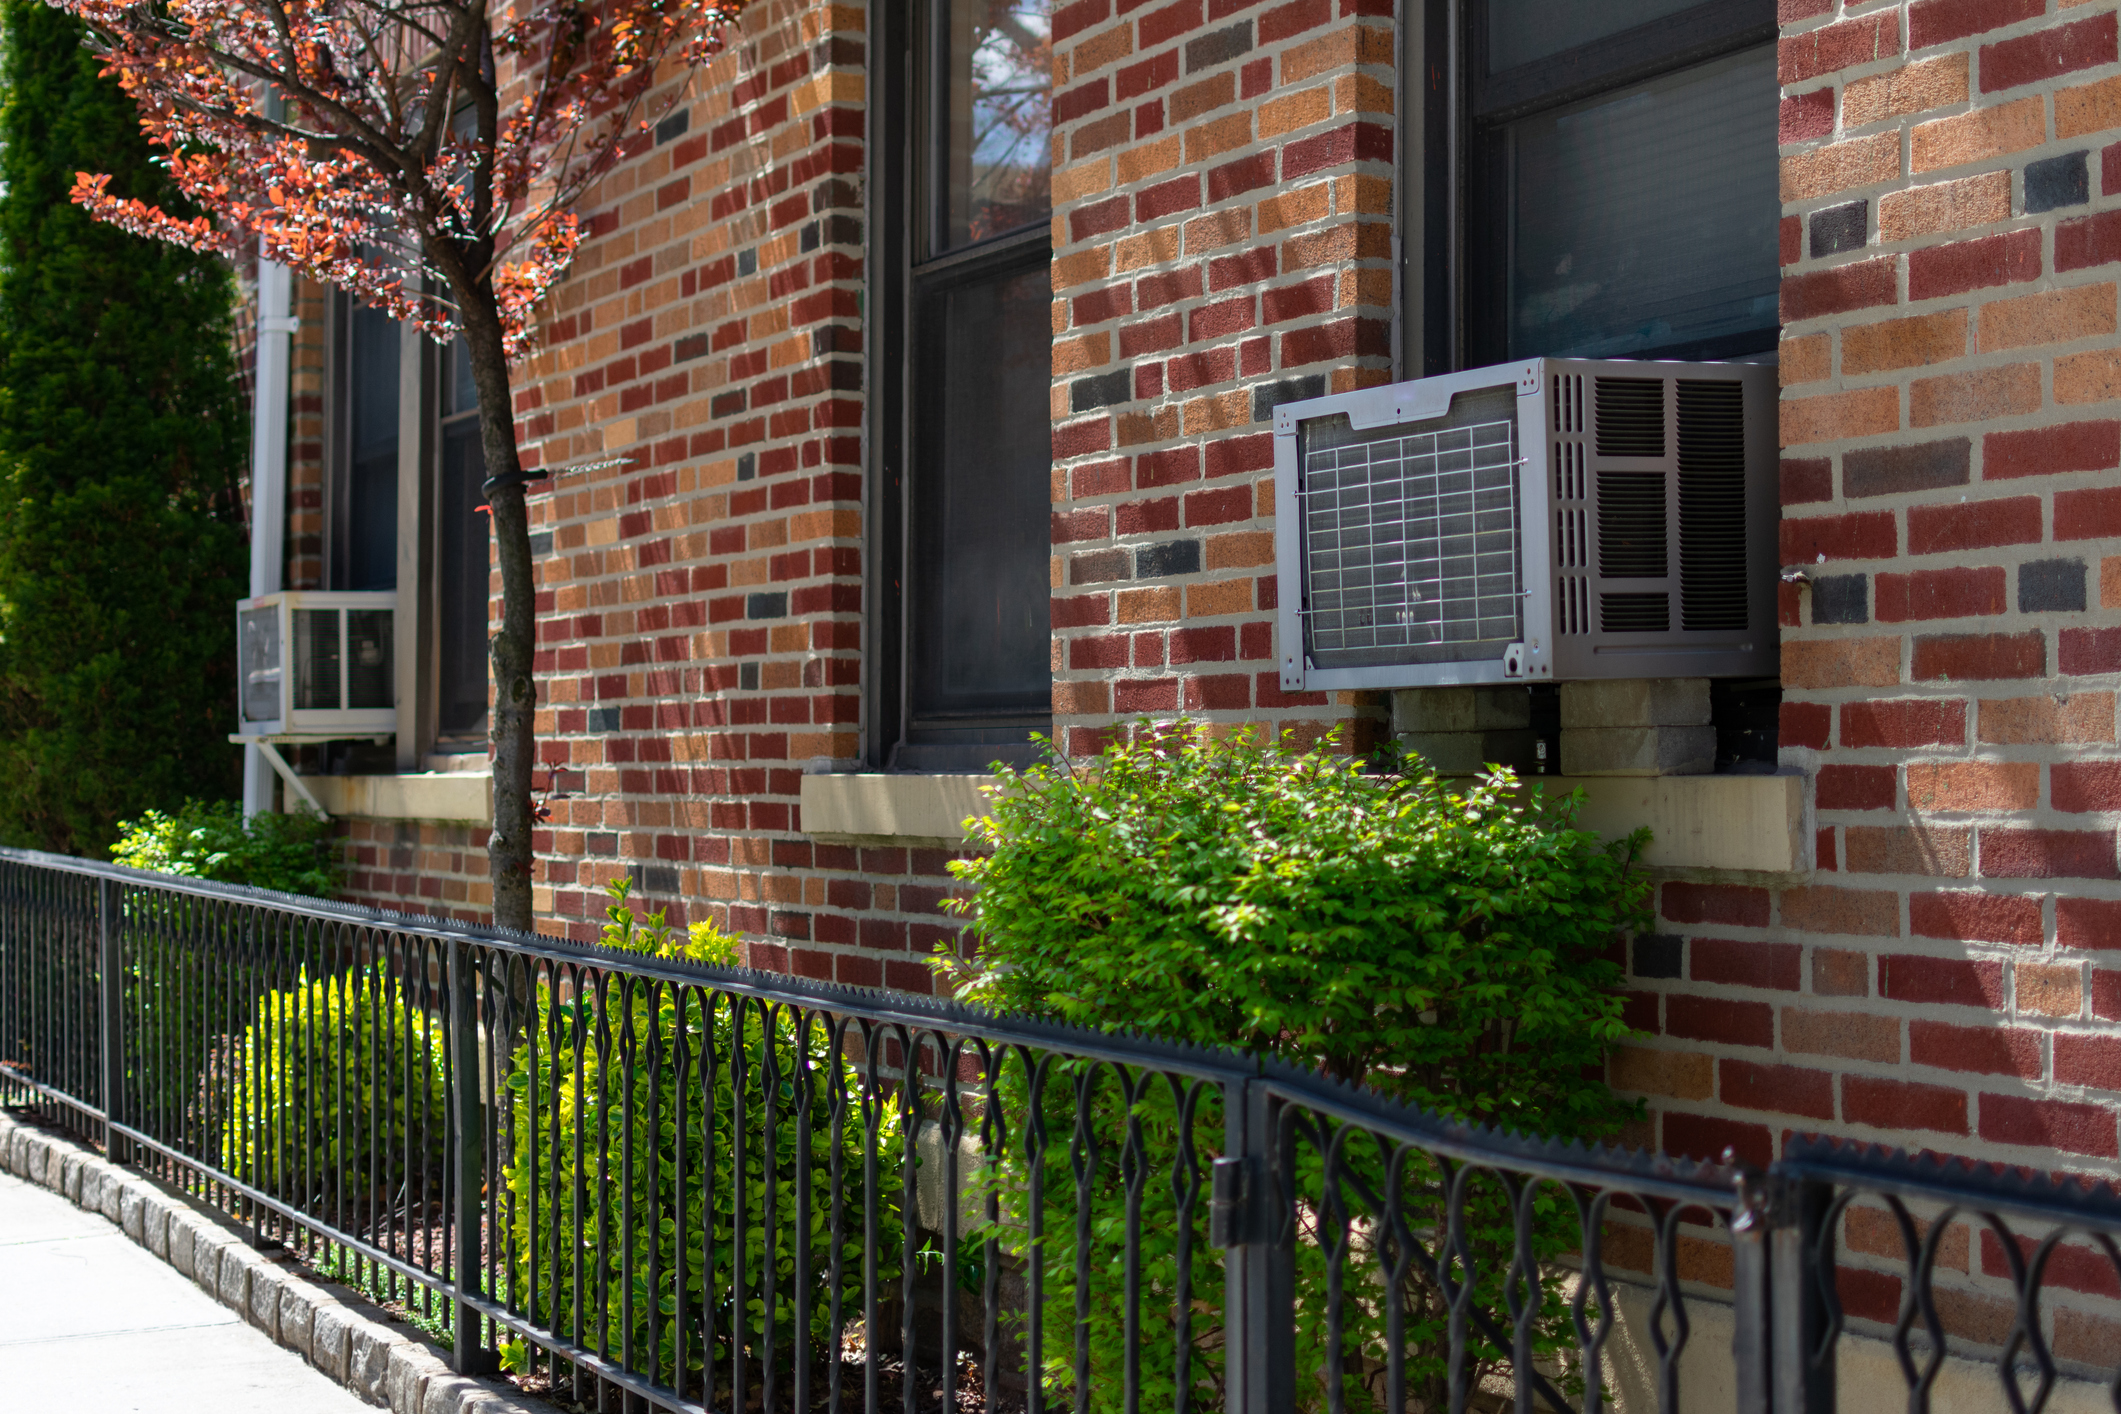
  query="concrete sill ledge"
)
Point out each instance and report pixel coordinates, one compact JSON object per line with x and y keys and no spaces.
{"x":452,"y":797}
{"x":1751,"y":823}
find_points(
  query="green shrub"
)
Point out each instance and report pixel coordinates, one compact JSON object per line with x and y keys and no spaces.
{"x":609,"y":1120}
{"x":341,"y":1094}
{"x":293,"y":853}
{"x":1445,"y":945}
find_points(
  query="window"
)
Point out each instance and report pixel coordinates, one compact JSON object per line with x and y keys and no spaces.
{"x":1613,"y":189}
{"x":412,"y":483}
{"x":961,"y":365}
{"x":462,"y":560}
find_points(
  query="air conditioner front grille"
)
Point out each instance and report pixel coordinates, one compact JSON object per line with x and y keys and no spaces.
{"x":1630,"y":416}
{"x":1634,"y":613}
{"x":1712,"y":565}
{"x":1631,"y":525}
{"x":1413,"y":540}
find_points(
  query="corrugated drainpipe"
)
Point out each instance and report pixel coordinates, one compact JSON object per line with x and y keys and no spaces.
{"x":268,"y":476}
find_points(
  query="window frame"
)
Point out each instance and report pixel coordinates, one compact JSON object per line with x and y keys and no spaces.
{"x":1458,"y":302}
{"x":908,"y":196}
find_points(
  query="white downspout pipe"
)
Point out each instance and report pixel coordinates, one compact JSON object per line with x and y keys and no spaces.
{"x":268,"y":476}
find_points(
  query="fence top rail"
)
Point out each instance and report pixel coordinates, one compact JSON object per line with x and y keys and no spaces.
{"x":2090,"y":1205}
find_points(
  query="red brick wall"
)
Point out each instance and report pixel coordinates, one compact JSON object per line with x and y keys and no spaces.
{"x":1947,"y":976}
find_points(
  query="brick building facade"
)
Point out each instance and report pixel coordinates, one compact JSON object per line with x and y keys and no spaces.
{"x":1246,"y":200}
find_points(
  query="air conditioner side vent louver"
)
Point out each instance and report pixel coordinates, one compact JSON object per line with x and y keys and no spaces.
{"x":1631,"y":525}
{"x":1630,"y":417}
{"x":1712,"y":562}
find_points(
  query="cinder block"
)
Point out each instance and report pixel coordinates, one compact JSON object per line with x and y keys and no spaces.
{"x":1638,"y":751}
{"x":267,"y":1283}
{"x":1635,"y":702}
{"x":154,"y":1225}
{"x":330,"y":1335}
{"x":1470,"y":753}
{"x":297,"y":1319}
{"x":129,"y":1197}
{"x":1461,"y":709}
{"x":411,"y":1366}
{"x":234,"y":1289}
{"x":450,"y":1394}
{"x":181,"y":1233}
{"x":368,"y":1347}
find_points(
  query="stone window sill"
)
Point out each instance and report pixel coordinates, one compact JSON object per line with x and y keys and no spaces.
{"x":450,"y":797}
{"x":1749,"y":823}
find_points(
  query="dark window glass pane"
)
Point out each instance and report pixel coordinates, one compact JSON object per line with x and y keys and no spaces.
{"x":458,"y":393}
{"x":462,"y":569}
{"x":1645,"y":221}
{"x":1520,"y":31}
{"x":372,"y":450}
{"x":996,"y":147}
{"x":980,"y":533}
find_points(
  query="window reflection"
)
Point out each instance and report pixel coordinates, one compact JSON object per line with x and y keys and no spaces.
{"x":997,"y":154}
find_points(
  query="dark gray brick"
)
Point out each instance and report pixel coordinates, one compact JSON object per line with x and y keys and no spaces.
{"x":2055,"y":182}
{"x":1100,"y":567}
{"x":603,"y":719}
{"x":1657,"y":954}
{"x":673,"y":127}
{"x":766,"y":606}
{"x":1169,"y":558}
{"x":747,"y":466}
{"x":1894,"y":471}
{"x":1101,"y":390}
{"x":2051,"y":587}
{"x":1269,"y":396}
{"x":1841,"y":599}
{"x":747,"y":677}
{"x":1218,"y":48}
{"x":541,"y":543}
{"x":1840,"y":228}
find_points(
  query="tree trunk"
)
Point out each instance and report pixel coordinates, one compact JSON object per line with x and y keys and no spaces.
{"x":514,"y":722}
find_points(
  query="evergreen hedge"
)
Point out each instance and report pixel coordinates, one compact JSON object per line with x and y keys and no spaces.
{"x":122,"y":437}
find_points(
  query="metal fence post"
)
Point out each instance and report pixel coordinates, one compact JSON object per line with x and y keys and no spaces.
{"x":467,"y":1154}
{"x":110,"y":992}
{"x":1752,"y":1334}
{"x":1797,"y":1315}
{"x":1245,"y":1219}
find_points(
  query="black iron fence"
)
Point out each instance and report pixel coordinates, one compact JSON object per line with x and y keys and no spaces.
{"x":637,"y":1179}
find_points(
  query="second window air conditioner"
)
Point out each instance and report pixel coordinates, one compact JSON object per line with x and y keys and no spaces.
{"x":316,"y":666}
{"x":1536,"y":522}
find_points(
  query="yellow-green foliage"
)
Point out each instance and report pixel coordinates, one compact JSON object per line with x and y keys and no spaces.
{"x":607,"y":1143}
{"x":342,"y":1080}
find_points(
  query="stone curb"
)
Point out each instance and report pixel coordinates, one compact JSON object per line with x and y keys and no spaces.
{"x":351,"y":1341}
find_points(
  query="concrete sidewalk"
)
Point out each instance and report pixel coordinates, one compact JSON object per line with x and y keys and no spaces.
{"x":90,"y":1321}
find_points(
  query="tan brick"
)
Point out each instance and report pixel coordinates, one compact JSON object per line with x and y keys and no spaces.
{"x":1135,"y":428}
{"x":1293,"y":208}
{"x":1217,"y":413}
{"x":2089,"y":108}
{"x":1220,"y":135}
{"x":1974,"y":397}
{"x":2090,"y":377}
{"x":1841,"y":166}
{"x":1296,"y":110}
{"x":1209,"y":94}
{"x":1878,"y":1233}
{"x":1914,"y":89}
{"x":1851,"y":1035}
{"x":2047,"y":991}
{"x":1362,"y":196}
{"x":1146,"y":248}
{"x":1904,"y":343}
{"x":2050,"y":317}
{"x":1806,"y":360}
{"x":1084,"y":179}
{"x":1832,"y":416}
{"x":1337,"y":244}
{"x":1217,"y":229}
{"x":1138,"y":163}
{"x":1240,"y":550}
{"x":1681,"y":1075}
{"x":1224,"y":596}
{"x":1907,"y":849}
{"x":1979,"y":135}
{"x":1149,"y":606}
{"x":1945,"y":786}
{"x":1081,"y":267}
{"x":1828,"y":909}
{"x":1841,"y":662}
{"x":1359,"y":93}
{"x":1106,"y":47}
{"x":1083,"y":351}
{"x":2110,"y":582}
{"x":2086,"y":1337}
{"x":2046,"y":720}
{"x":1080,"y":699}
{"x":1327,"y":54}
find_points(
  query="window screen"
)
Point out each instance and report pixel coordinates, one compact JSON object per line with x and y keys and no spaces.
{"x":1644,"y":220}
{"x":369,"y":543}
{"x":1520,"y":31}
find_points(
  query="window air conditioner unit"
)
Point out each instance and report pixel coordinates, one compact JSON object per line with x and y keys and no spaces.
{"x":317,"y":667}
{"x":1534,"y":522}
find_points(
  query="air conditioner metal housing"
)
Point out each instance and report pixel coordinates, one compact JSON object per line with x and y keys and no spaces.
{"x":316,"y":666}
{"x":1541,"y":521}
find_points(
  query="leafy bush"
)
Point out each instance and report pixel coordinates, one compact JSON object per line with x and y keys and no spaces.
{"x":583,"y":1106}
{"x":341,"y":1093}
{"x":293,"y":853}
{"x":1448,"y":946}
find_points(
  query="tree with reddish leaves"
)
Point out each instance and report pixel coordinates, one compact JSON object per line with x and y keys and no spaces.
{"x":425,"y":156}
